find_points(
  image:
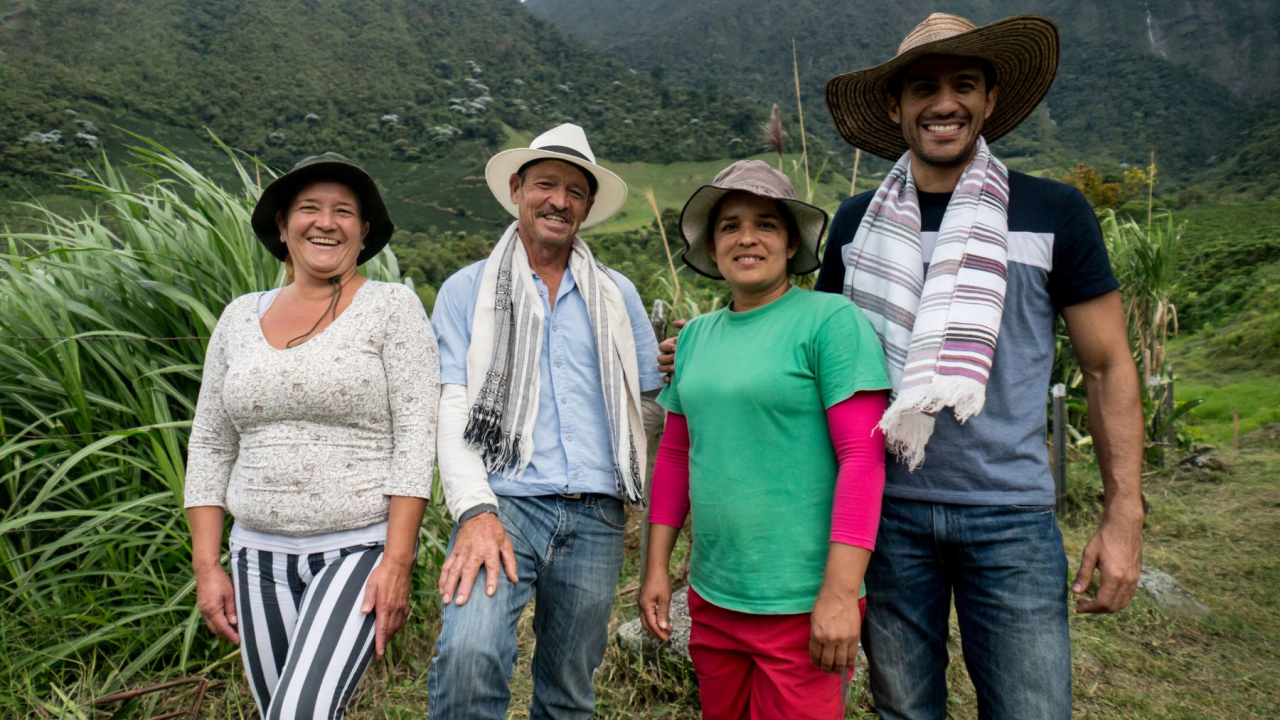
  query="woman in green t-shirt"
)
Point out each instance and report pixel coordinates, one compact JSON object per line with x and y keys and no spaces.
{"x":772,"y":445}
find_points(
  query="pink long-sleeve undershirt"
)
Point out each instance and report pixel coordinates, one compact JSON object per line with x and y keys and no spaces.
{"x":859,"y":447}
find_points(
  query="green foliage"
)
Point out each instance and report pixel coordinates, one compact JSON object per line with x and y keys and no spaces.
{"x":1228,"y":261}
{"x":403,"y":79}
{"x":103,"y":324}
{"x":1124,"y":87}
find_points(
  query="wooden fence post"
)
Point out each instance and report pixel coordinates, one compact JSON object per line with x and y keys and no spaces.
{"x":1059,"y":445}
{"x":653,"y":432}
{"x":1170,"y":409}
{"x":1235,"y":431}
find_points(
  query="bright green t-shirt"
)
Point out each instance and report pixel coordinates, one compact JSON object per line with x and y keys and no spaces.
{"x":755,"y":387}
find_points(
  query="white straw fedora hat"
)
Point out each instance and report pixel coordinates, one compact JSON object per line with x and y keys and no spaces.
{"x":1023,"y":50}
{"x":568,"y":143}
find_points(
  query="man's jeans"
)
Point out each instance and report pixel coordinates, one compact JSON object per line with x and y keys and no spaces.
{"x":568,"y":552}
{"x":1006,"y":567}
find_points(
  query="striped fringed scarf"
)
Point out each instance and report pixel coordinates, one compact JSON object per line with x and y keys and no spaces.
{"x":502,"y":363}
{"x":939,"y":331}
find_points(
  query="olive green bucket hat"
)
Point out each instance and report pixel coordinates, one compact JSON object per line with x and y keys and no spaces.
{"x":329,"y":166}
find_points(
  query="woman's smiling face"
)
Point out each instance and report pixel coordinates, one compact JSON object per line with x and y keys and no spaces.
{"x":323,"y":229}
{"x":750,"y":243}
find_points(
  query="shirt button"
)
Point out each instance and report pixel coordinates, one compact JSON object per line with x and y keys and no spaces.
{"x":569,"y":438}
{"x":563,"y":399}
{"x":575,"y":476}
{"x":555,"y":328}
{"x":557,"y":363}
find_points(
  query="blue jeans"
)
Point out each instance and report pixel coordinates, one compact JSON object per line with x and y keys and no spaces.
{"x":568,"y":553}
{"x":1006,"y":567}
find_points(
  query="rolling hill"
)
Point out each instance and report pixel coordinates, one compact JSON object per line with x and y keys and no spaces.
{"x":1185,"y":78}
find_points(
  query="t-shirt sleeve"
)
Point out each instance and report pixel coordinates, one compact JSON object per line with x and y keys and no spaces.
{"x":1081,"y":268}
{"x":452,"y":325}
{"x":847,"y":356}
{"x":843,"y":227}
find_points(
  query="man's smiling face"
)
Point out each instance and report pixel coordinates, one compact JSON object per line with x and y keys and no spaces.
{"x":554,"y":198}
{"x":941,"y":107}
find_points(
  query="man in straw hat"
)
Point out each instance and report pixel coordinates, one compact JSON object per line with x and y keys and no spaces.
{"x":544,"y":356}
{"x":963,"y":267}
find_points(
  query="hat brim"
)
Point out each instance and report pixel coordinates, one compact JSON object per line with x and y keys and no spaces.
{"x":611,"y":191}
{"x":696,"y":217}
{"x":277,"y":196}
{"x":1023,"y":50}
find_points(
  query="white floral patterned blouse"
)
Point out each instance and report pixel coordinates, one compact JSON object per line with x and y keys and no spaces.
{"x":316,"y":438}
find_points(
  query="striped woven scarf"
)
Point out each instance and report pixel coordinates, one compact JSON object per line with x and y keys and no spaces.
{"x":503,"y":383}
{"x":939,"y":330}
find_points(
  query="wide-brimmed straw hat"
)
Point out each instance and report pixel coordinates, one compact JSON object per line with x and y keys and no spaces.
{"x":329,"y":166}
{"x":568,"y":143}
{"x":757,"y":178}
{"x":1022,"y":49}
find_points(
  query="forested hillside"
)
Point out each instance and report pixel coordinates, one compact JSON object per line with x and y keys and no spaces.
{"x":406,"y":80}
{"x":1184,"y":78}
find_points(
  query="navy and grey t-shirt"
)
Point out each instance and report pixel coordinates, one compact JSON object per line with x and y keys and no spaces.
{"x":1056,"y":259}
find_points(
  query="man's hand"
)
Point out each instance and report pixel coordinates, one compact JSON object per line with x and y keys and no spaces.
{"x":216,"y":600}
{"x":836,"y":627}
{"x":1115,"y":551}
{"x":386,"y":595}
{"x":481,"y":542}
{"x":655,"y":604}
{"x":667,"y":353}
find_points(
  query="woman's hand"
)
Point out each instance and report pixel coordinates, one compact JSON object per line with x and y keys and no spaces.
{"x":836,"y":627}
{"x":386,"y":595}
{"x":655,"y":603}
{"x":216,"y":600}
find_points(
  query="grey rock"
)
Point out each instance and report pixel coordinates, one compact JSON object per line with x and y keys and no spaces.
{"x":88,"y":140}
{"x":78,"y":173}
{"x":1203,"y":461}
{"x":1169,"y":593}
{"x":312,"y":118}
{"x":277,"y":139}
{"x":633,"y":638}
{"x":390,"y":119}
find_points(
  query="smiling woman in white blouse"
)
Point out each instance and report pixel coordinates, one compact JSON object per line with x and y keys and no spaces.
{"x":315,"y":429}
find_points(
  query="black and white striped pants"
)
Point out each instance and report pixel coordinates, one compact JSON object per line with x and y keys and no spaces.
{"x":304,"y":641}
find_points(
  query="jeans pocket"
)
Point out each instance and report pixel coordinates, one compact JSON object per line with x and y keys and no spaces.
{"x":612,"y":512}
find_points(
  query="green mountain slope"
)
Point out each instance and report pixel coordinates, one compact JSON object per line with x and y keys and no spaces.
{"x":403,"y":80}
{"x":1181,"y":77}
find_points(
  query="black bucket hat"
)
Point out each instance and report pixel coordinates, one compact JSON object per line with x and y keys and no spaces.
{"x":329,"y":166}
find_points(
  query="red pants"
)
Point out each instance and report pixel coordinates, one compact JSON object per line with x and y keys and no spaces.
{"x":757,"y":667}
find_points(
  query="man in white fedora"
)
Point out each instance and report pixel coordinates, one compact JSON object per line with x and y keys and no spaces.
{"x":963,"y":267}
{"x":544,"y":356}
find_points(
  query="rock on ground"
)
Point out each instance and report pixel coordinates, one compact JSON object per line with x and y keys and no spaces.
{"x":633,"y":638}
{"x":1169,"y":593}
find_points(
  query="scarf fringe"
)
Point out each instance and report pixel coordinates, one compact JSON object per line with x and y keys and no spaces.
{"x":908,"y":423}
{"x":484,"y":431}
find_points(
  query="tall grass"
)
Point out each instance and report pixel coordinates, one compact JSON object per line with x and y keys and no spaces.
{"x":103,"y":326}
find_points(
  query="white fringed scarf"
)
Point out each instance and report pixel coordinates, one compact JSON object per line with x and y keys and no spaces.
{"x":502,"y":363}
{"x":939,"y":331}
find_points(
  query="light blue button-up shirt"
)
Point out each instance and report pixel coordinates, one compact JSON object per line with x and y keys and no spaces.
{"x":572,"y":451}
